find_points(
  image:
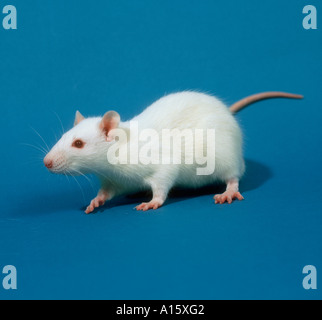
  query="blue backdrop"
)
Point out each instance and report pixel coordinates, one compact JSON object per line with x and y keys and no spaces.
{"x":123,"y":55}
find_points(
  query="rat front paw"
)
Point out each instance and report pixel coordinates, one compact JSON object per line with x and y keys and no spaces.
{"x":153,"y":204}
{"x":95,"y":203}
{"x":227,"y":196}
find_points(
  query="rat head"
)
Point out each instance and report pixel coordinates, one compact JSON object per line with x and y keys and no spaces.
{"x":84,"y":146}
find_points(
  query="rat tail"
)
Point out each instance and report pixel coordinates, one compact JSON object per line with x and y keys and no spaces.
{"x":241,"y":104}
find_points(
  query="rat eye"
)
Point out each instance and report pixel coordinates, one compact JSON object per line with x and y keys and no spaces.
{"x":78,"y":144}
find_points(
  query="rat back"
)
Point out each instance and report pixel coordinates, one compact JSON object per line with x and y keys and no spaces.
{"x":193,"y":110}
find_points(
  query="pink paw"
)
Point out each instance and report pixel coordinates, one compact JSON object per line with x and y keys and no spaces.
{"x":95,"y":203}
{"x":228,"y":196}
{"x":153,"y":204}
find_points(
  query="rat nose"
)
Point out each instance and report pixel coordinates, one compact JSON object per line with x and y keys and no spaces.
{"x":48,"y":163}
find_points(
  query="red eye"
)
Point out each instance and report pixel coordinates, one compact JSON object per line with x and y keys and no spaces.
{"x":78,"y":144}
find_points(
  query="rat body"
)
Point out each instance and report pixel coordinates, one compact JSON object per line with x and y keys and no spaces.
{"x":84,"y":148}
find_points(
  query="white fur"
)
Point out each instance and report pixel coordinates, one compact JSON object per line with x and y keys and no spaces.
{"x":184,"y":110}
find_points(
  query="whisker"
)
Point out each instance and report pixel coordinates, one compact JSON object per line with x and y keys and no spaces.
{"x":54,"y":133}
{"x":31,"y":162}
{"x":67,"y":178}
{"x":96,"y":172}
{"x":86,"y":179}
{"x":79,"y":187}
{"x":40,"y":138}
{"x":41,"y":149}
{"x":61,"y":123}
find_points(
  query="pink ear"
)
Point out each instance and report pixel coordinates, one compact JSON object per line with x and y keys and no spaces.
{"x":78,"y":118}
{"x":110,"y":121}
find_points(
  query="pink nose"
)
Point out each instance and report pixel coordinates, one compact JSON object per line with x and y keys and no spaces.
{"x":48,"y":163}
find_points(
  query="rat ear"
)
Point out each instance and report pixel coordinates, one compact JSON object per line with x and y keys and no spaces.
{"x":78,"y":118}
{"x":110,"y":121}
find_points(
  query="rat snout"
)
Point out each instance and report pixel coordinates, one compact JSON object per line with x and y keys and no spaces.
{"x":48,"y":162}
{"x":55,"y":162}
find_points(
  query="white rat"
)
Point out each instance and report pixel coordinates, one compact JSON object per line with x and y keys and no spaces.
{"x":84,"y":148}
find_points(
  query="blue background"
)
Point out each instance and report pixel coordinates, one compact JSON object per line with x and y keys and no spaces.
{"x":123,"y":55}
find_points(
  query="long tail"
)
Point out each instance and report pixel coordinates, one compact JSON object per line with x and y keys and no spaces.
{"x":241,"y":104}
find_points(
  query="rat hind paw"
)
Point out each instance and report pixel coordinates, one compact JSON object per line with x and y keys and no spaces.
{"x":228,"y":196}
